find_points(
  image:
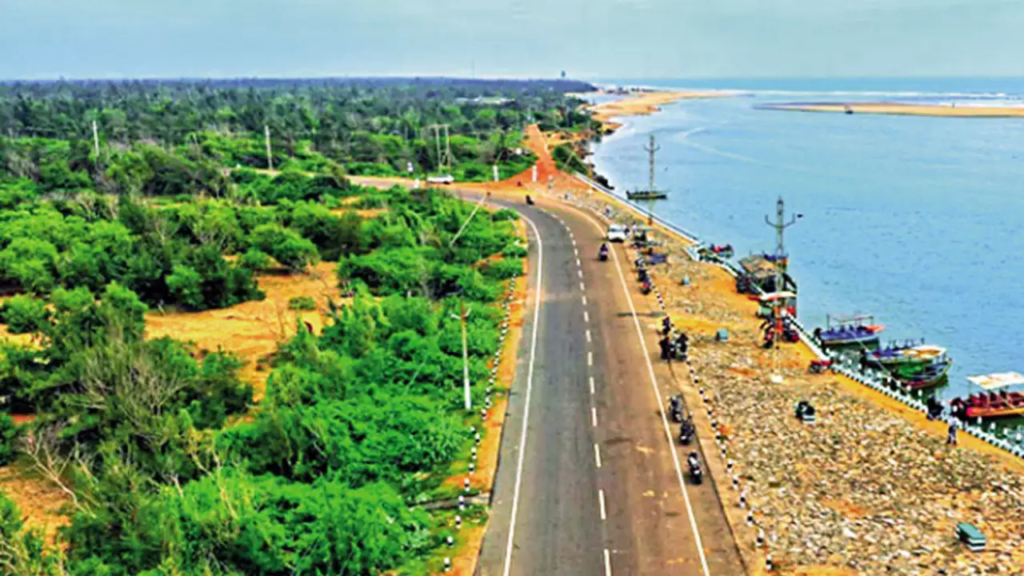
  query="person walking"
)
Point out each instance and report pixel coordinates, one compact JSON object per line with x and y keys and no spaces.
{"x":951,"y":440}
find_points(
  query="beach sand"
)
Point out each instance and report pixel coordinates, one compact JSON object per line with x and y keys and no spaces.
{"x":904,"y":109}
{"x":643,"y":103}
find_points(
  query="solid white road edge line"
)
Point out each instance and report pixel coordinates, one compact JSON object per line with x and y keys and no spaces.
{"x":529,"y":389}
{"x":661,"y":404}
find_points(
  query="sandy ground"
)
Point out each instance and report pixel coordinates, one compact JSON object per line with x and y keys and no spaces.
{"x":906,"y":109}
{"x":253,"y":330}
{"x":642,"y":104}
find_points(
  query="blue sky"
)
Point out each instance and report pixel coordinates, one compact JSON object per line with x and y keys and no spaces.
{"x":590,"y":39}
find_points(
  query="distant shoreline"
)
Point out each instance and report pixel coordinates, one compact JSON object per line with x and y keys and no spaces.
{"x":644,"y":103}
{"x":895,"y":108}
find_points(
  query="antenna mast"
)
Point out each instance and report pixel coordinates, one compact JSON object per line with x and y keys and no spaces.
{"x":650,"y":187}
{"x":781,"y":266}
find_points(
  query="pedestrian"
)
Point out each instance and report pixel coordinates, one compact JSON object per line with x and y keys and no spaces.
{"x":951,"y":440}
{"x":663,"y":343}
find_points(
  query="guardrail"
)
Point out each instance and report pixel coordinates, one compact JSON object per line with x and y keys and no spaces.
{"x":840,"y":364}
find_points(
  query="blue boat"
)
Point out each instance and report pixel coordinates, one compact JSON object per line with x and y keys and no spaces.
{"x":844,"y":332}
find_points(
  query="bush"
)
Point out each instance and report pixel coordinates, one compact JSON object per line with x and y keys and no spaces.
{"x":302,"y":303}
{"x":186,"y":286}
{"x":255,"y":260}
{"x":24,"y":314}
{"x":504,"y":214}
{"x":503,"y":269}
{"x":9,"y":433}
{"x":514,"y":251}
{"x":284,"y":245}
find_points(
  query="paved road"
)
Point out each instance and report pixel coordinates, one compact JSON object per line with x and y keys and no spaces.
{"x":597,"y":488}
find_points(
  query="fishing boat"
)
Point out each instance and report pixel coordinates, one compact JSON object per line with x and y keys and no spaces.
{"x":989,"y":405}
{"x":907,"y":353}
{"x":845,"y":332}
{"x":927,"y":376}
{"x":646,"y":195}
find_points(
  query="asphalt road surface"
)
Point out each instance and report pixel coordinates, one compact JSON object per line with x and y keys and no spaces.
{"x":589,"y":479}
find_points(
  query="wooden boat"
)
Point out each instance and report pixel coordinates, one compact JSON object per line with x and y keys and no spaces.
{"x":844,"y":332}
{"x":930,"y":376}
{"x":646,"y":195}
{"x":989,"y":405}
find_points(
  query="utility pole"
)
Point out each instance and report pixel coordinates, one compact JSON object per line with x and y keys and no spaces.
{"x":463,"y":316}
{"x":781,"y":265}
{"x":96,"y":141}
{"x":444,"y":157}
{"x":650,"y":186}
{"x":270,"y":158}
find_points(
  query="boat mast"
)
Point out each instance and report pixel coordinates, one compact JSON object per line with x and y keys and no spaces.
{"x":781,"y":265}
{"x":650,"y":186}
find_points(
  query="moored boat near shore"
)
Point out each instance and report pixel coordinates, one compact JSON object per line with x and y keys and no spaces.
{"x":845,"y":332}
{"x":989,"y":405}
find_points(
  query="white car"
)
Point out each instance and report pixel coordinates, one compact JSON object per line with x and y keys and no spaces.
{"x":445,"y":179}
{"x":617,"y":233}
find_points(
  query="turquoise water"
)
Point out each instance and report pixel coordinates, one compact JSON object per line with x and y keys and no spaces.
{"x":915,"y":220}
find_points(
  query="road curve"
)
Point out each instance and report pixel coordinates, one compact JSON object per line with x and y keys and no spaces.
{"x":597,"y":489}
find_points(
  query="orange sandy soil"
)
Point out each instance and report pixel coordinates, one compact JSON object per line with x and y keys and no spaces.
{"x":253,"y":330}
{"x":642,"y":104}
{"x":39,"y":501}
{"x":908,"y":109}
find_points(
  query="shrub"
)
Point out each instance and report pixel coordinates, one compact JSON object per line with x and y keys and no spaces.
{"x":24,"y":314}
{"x":504,"y":214}
{"x":284,"y":245}
{"x":503,"y":269}
{"x":9,"y":433}
{"x":514,"y":251}
{"x":302,"y":303}
{"x":255,"y":260}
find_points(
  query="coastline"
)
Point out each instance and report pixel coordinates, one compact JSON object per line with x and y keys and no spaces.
{"x":871,"y":487}
{"x":642,"y":104}
{"x":898,"y":109}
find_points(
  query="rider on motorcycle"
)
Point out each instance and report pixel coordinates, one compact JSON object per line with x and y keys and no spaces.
{"x":603,"y":252}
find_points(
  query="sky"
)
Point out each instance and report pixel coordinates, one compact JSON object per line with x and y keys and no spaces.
{"x":589,"y":39}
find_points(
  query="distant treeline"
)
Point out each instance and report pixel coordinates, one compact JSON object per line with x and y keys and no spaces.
{"x":371,"y":126}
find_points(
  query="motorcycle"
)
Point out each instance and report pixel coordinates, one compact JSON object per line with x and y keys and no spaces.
{"x":645,"y":287}
{"x":529,"y":200}
{"x":676,"y":408}
{"x":696,"y":474}
{"x":602,"y":254}
{"x":686,"y":432}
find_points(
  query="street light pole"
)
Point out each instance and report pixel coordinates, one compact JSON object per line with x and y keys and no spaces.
{"x":463,"y":316}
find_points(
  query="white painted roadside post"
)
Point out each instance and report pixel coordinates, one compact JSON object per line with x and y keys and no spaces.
{"x":495,"y":172}
{"x":534,"y":173}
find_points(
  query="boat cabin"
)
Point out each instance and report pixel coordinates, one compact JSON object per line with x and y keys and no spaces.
{"x":758,"y":274}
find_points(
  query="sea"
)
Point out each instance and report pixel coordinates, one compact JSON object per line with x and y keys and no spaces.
{"x":917,"y":221}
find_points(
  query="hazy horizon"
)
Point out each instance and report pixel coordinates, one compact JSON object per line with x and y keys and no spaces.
{"x":622,"y":39}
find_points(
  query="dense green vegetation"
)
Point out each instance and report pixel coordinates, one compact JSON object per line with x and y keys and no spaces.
{"x":357,"y":425}
{"x":168,"y":466}
{"x":190,"y":129}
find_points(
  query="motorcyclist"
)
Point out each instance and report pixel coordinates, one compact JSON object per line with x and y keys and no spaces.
{"x":602,"y":253}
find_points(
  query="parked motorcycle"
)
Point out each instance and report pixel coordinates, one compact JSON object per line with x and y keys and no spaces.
{"x":696,"y":474}
{"x":675,"y":408}
{"x":686,"y":432}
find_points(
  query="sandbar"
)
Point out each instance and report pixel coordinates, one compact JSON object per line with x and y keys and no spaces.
{"x":643,"y":103}
{"x":903,"y":109}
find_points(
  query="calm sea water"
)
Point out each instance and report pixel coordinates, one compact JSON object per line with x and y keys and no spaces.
{"x":918,"y":221}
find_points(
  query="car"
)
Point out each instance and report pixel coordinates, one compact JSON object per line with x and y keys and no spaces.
{"x":445,"y":179}
{"x":617,"y":233}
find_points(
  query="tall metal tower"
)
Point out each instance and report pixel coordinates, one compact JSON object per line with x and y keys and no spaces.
{"x":650,"y":185}
{"x":781,"y":266}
